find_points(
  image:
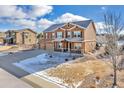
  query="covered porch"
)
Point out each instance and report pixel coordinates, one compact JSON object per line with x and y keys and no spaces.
{"x":66,"y":46}
{"x":10,"y":40}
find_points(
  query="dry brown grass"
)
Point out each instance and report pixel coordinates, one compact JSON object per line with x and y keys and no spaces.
{"x":85,"y":69}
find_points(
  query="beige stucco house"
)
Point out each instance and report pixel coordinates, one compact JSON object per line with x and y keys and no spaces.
{"x":21,"y":37}
{"x":77,"y":37}
{"x":2,"y":37}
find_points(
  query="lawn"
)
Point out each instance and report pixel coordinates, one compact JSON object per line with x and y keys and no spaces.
{"x":83,"y":72}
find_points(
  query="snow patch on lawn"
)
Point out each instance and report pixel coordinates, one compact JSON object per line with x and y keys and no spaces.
{"x":53,"y":80}
{"x":32,"y":64}
{"x":56,"y":80}
{"x":41,"y":62}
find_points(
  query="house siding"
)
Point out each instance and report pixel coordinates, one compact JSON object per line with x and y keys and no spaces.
{"x":90,"y":38}
{"x":2,"y":36}
{"x":1,"y":40}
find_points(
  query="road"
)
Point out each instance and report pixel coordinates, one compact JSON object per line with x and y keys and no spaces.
{"x":6,"y":62}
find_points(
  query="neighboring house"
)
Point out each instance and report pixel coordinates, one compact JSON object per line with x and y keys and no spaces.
{"x":75,"y":37}
{"x":20,"y":37}
{"x":2,"y":37}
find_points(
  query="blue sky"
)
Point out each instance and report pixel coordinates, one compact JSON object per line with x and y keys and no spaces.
{"x":39,"y":18}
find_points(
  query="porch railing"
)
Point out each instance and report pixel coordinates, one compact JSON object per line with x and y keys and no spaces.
{"x":68,"y":50}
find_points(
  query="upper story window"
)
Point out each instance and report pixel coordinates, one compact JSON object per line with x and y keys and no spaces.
{"x":46,"y":35}
{"x":26,"y":34}
{"x":68,"y":34}
{"x":53,"y":35}
{"x":59,"y":34}
{"x":7,"y":34}
{"x":13,"y":33}
{"x":77,"y":34}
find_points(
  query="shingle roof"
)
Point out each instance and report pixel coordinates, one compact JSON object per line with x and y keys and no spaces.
{"x":83,"y":24}
{"x":21,"y":30}
{"x":54,"y":26}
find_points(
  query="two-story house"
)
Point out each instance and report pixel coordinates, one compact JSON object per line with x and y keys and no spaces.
{"x":2,"y":37}
{"x":76,"y":37}
{"x":24,"y":36}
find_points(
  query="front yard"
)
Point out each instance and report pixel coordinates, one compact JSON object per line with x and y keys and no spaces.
{"x":84,"y":72}
{"x":61,"y":69}
{"x":81,"y":72}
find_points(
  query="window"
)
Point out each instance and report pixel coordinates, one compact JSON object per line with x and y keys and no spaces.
{"x":77,"y":46}
{"x":59,"y":45}
{"x":53,"y":35}
{"x":13,"y":33}
{"x":29,"y":40}
{"x":77,"y":34}
{"x":26,"y":34}
{"x":68,"y":34}
{"x":59,"y":34}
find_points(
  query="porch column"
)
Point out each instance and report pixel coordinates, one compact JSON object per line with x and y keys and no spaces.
{"x":54,"y":45}
{"x":69,"y":47}
{"x":62,"y":47}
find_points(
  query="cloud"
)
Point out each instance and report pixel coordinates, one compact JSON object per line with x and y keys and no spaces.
{"x":11,"y":11}
{"x":3,"y":29}
{"x":38,"y":11}
{"x":18,"y":15}
{"x":44,"y":23}
{"x":99,"y":25}
{"x":25,"y":23}
{"x":103,"y":8}
{"x":68,"y":17}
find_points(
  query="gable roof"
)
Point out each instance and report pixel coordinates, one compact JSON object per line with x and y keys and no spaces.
{"x":29,"y":30}
{"x":21,"y":30}
{"x":83,"y":24}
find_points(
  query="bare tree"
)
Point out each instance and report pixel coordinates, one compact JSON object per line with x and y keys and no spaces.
{"x":112,"y":27}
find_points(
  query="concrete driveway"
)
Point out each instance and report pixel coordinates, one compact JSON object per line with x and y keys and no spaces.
{"x":7,"y":60}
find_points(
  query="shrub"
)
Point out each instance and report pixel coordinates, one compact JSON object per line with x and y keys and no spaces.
{"x":66,"y":59}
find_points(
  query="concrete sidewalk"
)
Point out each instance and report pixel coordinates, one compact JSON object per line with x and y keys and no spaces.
{"x":39,"y":82}
{"x":9,"y":81}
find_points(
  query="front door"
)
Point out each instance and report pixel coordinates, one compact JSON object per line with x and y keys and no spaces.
{"x":65,"y":46}
{"x":11,"y":41}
